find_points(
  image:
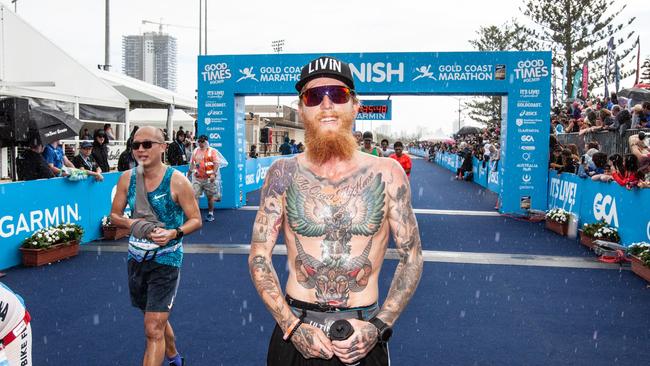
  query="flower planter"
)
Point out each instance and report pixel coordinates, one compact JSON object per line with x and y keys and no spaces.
{"x":112,"y":232}
{"x":586,"y":240}
{"x":38,"y":257}
{"x":557,"y":227}
{"x":640,"y":269}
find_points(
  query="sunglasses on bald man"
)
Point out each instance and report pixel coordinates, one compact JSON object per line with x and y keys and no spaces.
{"x":314,"y":96}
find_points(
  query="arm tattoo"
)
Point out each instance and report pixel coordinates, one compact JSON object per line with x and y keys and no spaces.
{"x":269,"y":217}
{"x":336,"y":212}
{"x":407,"y":239}
{"x":265,"y":232}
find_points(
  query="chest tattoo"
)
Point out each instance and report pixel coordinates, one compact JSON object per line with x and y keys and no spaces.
{"x":335,"y":213}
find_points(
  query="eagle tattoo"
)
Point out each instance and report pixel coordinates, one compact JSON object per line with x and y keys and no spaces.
{"x":352,"y":210}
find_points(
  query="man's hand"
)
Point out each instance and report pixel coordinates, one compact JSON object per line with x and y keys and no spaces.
{"x":99,"y":177}
{"x":361,"y":342}
{"x":311,"y":342}
{"x":162,"y":236}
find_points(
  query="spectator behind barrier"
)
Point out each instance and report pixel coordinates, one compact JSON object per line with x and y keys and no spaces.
{"x":100,"y":150}
{"x":176,"y":150}
{"x":84,"y":161}
{"x":55,"y":158}
{"x":31,"y":164}
{"x":628,"y":176}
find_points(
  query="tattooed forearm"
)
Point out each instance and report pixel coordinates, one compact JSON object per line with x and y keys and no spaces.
{"x":268,"y":286}
{"x":407,"y":239}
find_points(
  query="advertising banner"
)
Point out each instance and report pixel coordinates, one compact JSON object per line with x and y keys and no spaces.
{"x":522,"y":78}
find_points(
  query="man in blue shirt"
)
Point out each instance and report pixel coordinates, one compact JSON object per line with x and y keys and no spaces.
{"x":55,"y":158}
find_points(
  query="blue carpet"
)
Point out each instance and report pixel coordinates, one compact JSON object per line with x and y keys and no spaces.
{"x":461,"y":314}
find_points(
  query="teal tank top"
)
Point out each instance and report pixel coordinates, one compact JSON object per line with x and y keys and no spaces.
{"x":168,"y":211}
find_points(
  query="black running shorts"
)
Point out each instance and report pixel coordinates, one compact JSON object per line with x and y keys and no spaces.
{"x":152,"y":285}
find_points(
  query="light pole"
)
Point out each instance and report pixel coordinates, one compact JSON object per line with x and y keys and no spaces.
{"x":15,"y":2}
{"x":277,"y":46}
{"x":459,"y":110}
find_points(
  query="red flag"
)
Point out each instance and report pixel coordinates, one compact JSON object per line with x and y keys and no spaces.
{"x":638,"y":59}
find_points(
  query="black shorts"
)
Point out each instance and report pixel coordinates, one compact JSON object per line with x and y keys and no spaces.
{"x":284,"y":353}
{"x":152,"y":285}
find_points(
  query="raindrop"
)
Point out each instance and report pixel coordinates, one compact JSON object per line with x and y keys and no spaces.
{"x":566,"y":280}
{"x":44,"y":339}
{"x":245,"y":304}
{"x":478,"y":294}
{"x":447,"y":302}
{"x":497,"y":236}
{"x":220,"y":255}
{"x":595,"y":336}
{"x":96,"y":319}
{"x":250,"y":317}
{"x":462,"y":313}
{"x":261,"y":328}
{"x":243,"y":321}
{"x":416,"y":320}
{"x":622,"y":314}
{"x":420,"y":192}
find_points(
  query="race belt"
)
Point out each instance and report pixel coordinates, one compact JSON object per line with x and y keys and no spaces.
{"x":17,"y":331}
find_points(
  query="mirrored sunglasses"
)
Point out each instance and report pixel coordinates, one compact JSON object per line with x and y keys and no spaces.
{"x":336,"y":93}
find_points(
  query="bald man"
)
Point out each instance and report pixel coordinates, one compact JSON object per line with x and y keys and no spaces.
{"x":164,"y":210}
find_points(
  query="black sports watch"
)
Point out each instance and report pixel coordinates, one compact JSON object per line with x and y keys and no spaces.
{"x":384,"y":332}
{"x":179,"y":233}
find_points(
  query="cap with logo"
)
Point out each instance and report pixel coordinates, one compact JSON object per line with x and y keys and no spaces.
{"x":325,"y":66}
{"x":203,"y":138}
{"x":86,"y":144}
{"x":367,"y":135}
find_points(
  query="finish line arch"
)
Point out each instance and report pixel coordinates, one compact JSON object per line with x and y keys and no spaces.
{"x":523,"y":79}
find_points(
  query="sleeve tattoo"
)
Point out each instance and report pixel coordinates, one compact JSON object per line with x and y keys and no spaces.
{"x":265,"y":232}
{"x":407,"y":240}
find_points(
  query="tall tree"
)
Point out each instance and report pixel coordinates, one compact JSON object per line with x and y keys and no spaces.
{"x":578,"y":31}
{"x":506,"y":37}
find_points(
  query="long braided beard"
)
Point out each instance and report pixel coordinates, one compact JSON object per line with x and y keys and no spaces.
{"x":323,"y":146}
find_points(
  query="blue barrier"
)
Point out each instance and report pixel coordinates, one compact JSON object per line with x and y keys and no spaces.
{"x":256,"y":171}
{"x":592,"y":201}
{"x":29,"y":206}
{"x":589,"y":200}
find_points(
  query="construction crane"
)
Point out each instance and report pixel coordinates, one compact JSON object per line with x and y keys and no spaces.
{"x":161,"y":24}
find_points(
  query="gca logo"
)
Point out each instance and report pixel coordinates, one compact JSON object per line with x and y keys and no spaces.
{"x":215,"y":136}
{"x":527,"y":138}
{"x":605,"y":209}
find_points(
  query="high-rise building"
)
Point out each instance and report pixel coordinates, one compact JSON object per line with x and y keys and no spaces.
{"x":150,"y":57}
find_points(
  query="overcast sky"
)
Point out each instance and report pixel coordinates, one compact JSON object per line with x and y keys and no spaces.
{"x":248,"y":27}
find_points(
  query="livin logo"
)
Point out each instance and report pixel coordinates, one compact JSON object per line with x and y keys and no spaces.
{"x":601,"y":210}
{"x":248,"y":74}
{"x":424,"y":73}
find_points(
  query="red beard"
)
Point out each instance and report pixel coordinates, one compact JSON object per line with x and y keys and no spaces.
{"x":323,"y":146}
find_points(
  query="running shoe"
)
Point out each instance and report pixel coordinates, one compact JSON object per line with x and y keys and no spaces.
{"x":175,"y":364}
{"x":209,"y":218}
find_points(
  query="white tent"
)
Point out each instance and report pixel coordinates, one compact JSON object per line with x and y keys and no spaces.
{"x":32,"y":66}
{"x":158,"y":118}
{"x":143,"y":94}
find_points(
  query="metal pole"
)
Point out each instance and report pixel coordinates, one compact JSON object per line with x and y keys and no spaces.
{"x":205,"y":27}
{"x":200,"y":20}
{"x":107,"y":38}
{"x":15,"y":6}
{"x":458,"y":114}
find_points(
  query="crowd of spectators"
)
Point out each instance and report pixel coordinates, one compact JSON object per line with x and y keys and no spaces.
{"x":483,"y":145}
{"x":614,"y":115}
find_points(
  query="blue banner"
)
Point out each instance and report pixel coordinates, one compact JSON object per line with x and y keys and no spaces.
{"x":594,"y":201}
{"x":523,"y":78}
{"x":375,"y":110}
{"x":256,"y":171}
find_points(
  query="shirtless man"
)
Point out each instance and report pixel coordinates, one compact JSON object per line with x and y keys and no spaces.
{"x":336,"y":207}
